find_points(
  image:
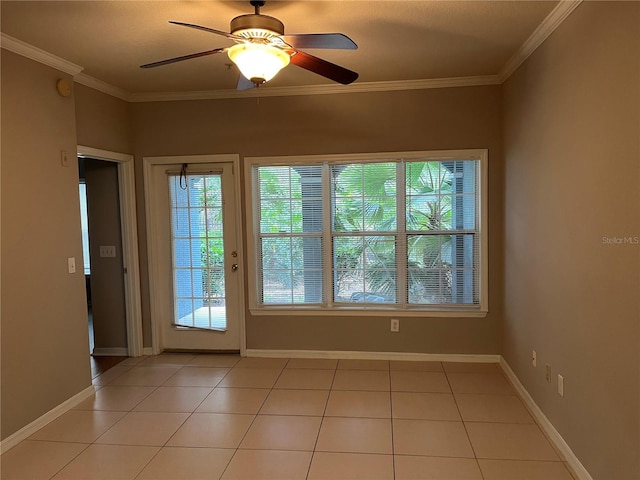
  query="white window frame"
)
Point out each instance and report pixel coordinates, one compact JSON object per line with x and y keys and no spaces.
{"x":477,"y":310}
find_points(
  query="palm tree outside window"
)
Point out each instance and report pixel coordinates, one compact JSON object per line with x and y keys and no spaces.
{"x":396,"y":232}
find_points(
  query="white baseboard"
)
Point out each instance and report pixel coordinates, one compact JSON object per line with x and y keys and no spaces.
{"x":111,"y":352}
{"x":349,"y":355}
{"x":551,"y":432}
{"x":118,"y":352}
{"x":28,"y":430}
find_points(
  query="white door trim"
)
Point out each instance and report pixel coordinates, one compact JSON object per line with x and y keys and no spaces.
{"x":156,"y":300}
{"x":130,"y":260}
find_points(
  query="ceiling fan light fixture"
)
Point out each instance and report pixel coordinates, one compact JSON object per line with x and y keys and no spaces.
{"x":258,"y":62}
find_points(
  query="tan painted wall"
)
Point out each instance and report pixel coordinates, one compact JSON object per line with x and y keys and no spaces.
{"x":571,"y":139}
{"x":107,"y":273}
{"x":572,"y":134}
{"x":453,"y":118}
{"x":45,"y":345}
{"x":102,"y":120}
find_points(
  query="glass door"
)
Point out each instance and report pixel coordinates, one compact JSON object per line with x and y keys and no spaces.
{"x":195,"y":281}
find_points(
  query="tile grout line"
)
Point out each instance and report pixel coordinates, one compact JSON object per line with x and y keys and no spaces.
{"x":71,"y":460}
{"x":256,"y":414}
{"x":464,"y":425}
{"x":270,"y":390}
{"x":185,"y":420}
{"x":326,"y":405}
{"x":126,"y":413}
{"x":236,"y":449}
{"x":393,"y":446}
{"x":170,"y":436}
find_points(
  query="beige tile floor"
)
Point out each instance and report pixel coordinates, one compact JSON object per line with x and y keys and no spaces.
{"x":189,"y":417}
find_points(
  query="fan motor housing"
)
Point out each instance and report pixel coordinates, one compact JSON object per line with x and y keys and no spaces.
{"x":255,"y":25}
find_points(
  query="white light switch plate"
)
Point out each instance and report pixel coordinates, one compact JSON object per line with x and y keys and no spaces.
{"x":71,"y":264}
{"x":561,"y":385}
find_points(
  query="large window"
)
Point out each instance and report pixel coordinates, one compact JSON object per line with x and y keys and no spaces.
{"x":376,"y":232}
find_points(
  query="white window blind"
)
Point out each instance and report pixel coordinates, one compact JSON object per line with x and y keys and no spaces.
{"x":290,"y":234}
{"x":197,"y":241}
{"x":388,"y":233}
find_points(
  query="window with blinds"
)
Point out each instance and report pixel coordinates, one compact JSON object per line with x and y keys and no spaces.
{"x":387,"y":233}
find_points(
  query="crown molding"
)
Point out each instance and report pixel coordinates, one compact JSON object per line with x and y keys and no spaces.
{"x":101,"y":86}
{"x":318,"y":89}
{"x":539,"y":35}
{"x":22,"y":48}
{"x":544,"y":30}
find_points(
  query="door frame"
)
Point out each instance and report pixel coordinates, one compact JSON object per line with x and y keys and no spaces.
{"x":156,"y":300}
{"x":130,"y":256}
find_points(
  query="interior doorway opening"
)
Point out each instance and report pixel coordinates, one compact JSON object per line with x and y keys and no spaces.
{"x":103,"y":259}
{"x":125,"y":247}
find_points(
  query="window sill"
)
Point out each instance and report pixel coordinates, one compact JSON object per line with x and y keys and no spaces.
{"x":365,"y":312}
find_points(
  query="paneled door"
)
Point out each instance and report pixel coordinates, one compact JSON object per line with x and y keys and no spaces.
{"x":195,"y":259}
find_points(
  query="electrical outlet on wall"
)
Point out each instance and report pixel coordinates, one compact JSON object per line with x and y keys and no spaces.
{"x":107,"y":251}
{"x":534,"y":358}
{"x":395,"y":325}
{"x":548,"y":373}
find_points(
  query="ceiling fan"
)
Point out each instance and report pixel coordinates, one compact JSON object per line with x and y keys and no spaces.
{"x":262,"y":49}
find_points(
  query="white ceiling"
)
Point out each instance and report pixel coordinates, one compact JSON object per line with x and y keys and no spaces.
{"x":398,"y":40}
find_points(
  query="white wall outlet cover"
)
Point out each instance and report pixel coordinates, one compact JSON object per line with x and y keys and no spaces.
{"x":107,"y":251}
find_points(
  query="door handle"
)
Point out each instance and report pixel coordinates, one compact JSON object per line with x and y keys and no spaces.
{"x":234,"y":267}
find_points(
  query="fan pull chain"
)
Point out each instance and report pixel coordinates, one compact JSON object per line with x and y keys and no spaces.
{"x":183,"y":176}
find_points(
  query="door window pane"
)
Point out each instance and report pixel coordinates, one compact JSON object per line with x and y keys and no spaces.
{"x":198,"y":251}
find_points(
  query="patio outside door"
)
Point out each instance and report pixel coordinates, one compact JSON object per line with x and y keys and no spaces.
{"x":196,"y":258}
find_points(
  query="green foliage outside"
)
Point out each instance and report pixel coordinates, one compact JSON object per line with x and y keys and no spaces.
{"x":211,"y":243}
{"x":365,"y":223}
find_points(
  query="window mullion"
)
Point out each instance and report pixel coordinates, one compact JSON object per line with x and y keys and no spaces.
{"x":327,"y":241}
{"x":402,"y":296}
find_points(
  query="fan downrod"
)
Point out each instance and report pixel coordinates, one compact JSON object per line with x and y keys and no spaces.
{"x":257,"y":4}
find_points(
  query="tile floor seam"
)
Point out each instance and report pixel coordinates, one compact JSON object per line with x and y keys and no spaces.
{"x":147,"y":464}
{"x":227,"y":465}
{"x":70,"y":460}
{"x":260,"y":408}
{"x":176,"y":430}
{"x":455,"y":400}
{"x":393,"y":446}
{"x":188,"y":415}
{"x":324,"y":413}
{"x":43,"y":440}
{"x":529,"y":410}
{"x":254,"y":417}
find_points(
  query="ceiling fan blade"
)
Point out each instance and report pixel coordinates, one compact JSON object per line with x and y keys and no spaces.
{"x":184,"y":57}
{"x":322,"y":67}
{"x":207,"y":29}
{"x":320,"y":40}
{"x":244,"y":83}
